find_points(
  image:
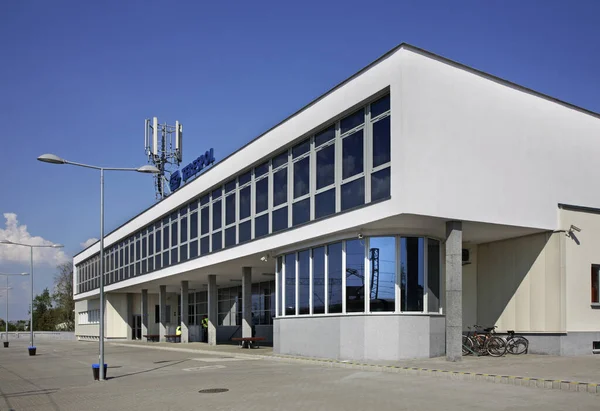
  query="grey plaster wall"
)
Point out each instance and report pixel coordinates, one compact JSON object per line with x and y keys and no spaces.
{"x":40,"y":335}
{"x":569,"y":344}
{"x":361,"y":337}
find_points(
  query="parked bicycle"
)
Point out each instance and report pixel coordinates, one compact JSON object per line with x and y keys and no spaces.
{"x":483,"y":343}
{"x":516,"y":344}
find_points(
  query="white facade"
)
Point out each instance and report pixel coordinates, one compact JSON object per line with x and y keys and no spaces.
{"x":464,"y":146}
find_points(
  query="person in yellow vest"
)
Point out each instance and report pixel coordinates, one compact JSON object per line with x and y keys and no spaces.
{"x":178,"y":331}
{"x":205,"y":329}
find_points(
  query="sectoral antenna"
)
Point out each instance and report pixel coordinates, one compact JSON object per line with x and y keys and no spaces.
{"x":164,"y":147}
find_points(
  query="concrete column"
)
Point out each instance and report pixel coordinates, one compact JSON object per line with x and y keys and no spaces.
{"x":144,"y":313}
{"x":130,"y":323}
{"x":183,"y":310}
{"x":454,"y":291}
{"x":212,"y":309}
{"x":246,"y":302}
{"x":162,"y":302}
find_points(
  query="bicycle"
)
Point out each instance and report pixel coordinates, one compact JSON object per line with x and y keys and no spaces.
{"x":483,"y":344}
{"x":516,"y":344}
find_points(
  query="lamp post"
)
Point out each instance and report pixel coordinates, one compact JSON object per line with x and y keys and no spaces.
{"x":6,"y":319}
{"x":31,"y":247}
{"x":54,"y":159}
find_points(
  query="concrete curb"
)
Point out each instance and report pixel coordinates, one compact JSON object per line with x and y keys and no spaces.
{"x":563,"y":385}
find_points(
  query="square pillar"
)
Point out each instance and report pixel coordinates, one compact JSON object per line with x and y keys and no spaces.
{"x":247,"y":324}
{"x":212,"y":309}
{"x":183,"y":310}
{"x":130,"y":322}
{"x":144,"y":313}
{"x":162,"y":303}
{"x":454,"y":325}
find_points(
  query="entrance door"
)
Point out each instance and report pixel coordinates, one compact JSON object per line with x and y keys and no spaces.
{"x":137,"y":327}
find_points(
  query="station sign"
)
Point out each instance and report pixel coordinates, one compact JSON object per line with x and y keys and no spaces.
{"x":191,"y":169}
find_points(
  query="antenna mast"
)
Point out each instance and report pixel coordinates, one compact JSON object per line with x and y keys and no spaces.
{"x":163,"y":146}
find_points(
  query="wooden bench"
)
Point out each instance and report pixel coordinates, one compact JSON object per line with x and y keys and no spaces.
{"x":173,"y":337}
{"x":152,"y":337}
{"x":248,"y":342}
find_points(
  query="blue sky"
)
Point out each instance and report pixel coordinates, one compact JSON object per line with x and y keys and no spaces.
{"x":78,"y":79}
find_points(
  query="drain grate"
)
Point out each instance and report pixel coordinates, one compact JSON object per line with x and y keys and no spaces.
{"x":213,"y":390}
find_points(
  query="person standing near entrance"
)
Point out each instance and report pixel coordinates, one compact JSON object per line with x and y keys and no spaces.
{"x":205,"y":329}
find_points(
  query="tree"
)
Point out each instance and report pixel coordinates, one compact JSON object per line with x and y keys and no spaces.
{"x":63,"y":296}
{"x":44,"y":318}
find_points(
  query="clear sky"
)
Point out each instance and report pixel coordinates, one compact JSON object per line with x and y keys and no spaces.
{"x":78,"y":78}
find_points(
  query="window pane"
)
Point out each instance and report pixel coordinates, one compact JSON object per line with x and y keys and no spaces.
{"x":262,"y":195}
{"x":204,"y":199}
{"x":184,"y":229}
{"x":230,"y":186}
{"x":150,"y":264}
{"x":261,"y":169}
{"x":245,"y":231}
{"x":353,"y":120}
{"x":216,"y":220}
{"x":382,"y":259}
{"x":194,"y":205}
{"x":433,"y":275}
{"x":381,"y":142}
{"x":165,"y":259}
{"x":230,"y":209}
{"x":325,"y":136}
{"x":183,"y":253}
{"x":174,"y":256}
{"x":150,"y":245}
{"x":352,"y":155}
{"x":595,"y":281}
{"x":411,"y":266}
{"x":217,"y":193}
{"x":326,"y":166}
{"x":325,"y":203}
{"x":174,"y":233}
{"x":279,"y":273}
{"x":217,"y":241}
{"x":204,"y":220}
{"x":290,"y":284}
{"x":380,"y":184}
{"x":353,"y":194}
{"x":280,"y":187}
{"x":301,"y":177}
{"x":280,"y":219}
{"x":144,"y":248}
{"x":245,"y":196}
{"x":261,"y":226}
{"x":230,"y":236}
{"x":355,"y":276}
{"x":280,"y":160}
{"x":301,"y":212}
{"x":301,"y":148}
{"x":194,"y":249}
{"x":204,"y":245}
{"x":380,"y":106}
{"x":193,"y":226}
{"x":137,"y":253}
{"x":165,"y":238}
{"x":304,"y":281}
{"x":318,"y":280}
{"x":334,"y":282}
{"x":245,"y":178}
{"x":158,"y":262}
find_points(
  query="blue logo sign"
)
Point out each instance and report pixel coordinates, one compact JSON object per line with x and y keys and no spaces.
{"x":191,"y":169}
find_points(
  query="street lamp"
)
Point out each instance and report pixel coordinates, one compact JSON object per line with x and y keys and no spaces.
{"x":6,"y":319}
{"x":54,"y":159}
{"x":31,"y":247}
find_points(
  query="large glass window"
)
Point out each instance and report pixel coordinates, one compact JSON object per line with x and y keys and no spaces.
{"x":261,"y":227}
{"x":382,"y":260}
{"x":217,"y":241}
{"x":412,"y":273}
{"x":352,"y":155}
{"x":380,"y":184}
{"x":280,"y":187}
{"x":355,"y":276}
{"x":381,"y":142}
{"x":245,"y":231}
{"x":318,"y":280}
{"x":325,"y":203}
{"x":326,"y":166}
{"x":245,"y":194}
{"x":290,"y":284}
{"x":334,"y":281}
{"x":353,"y":194}
{"x":280,"y":282}
{"x":324,"y":136}
{"x":262,"y":195}
{"x":300,"y":212}
{"x":304,"y":282}
{"x":433,"y":275}
{"x":301,"y":177}
{"x":204,"y":220}
{"x":230,"y":209}
{"x":194,"y":225}
{"x":280,"y":219}
{"x":217,"y":219}
{"x":352,"y":121}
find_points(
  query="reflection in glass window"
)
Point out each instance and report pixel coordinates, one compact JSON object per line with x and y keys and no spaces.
{"x":261,"y":226}
{"x":433,"y":275}
{"x":325,"y":166}
{"x":411,"y":274}
{"x":280,"y":187}
{"x":204,"y":220}
{"x":290,"y":284}
{"x":217,"y":241}
{"x":165,"y":259}
{"x":245,"y":231}
{"x":217,"y":193}
{"x":355,"y":276}
{"x":245,"y":202}
{"x":380,"y":184}
{"x":230,"y":186}
{"x":318,"y":280}
{"x":174,"y":256}
{"x":280,"y":219}
{"x":280,"y":160}
{"x":173,"y":233}
{"x":262,"y":195}
{"x":380,"y":106}
{"x":352,"y":155}
{"x":194,"y":249}
{"x":353,"y":120}
{"x":324,"y":136}
{"x":245,"y":178}
{"x":301,"y":212}
{"x":216,"y":214}
{"x":230,"y":236}
{"x":204,"y":199}
{"x":381,"y":142}
{"x":230,"y":209}
{"x":353,"y":194}
{"x":325,"y":203}
{"x":304,"y":282}
{"x":157,"y":262}
{"x":204,"y":245}
{"x":301,"y":177}
{"x":183,"y":253}
{"x":301,"y":148}
{"x":193,"y":226}
{"x":382,"y":259}
{"x":334,"y":282}
{"x":184,"y":230}
{"x":261,"y":169}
